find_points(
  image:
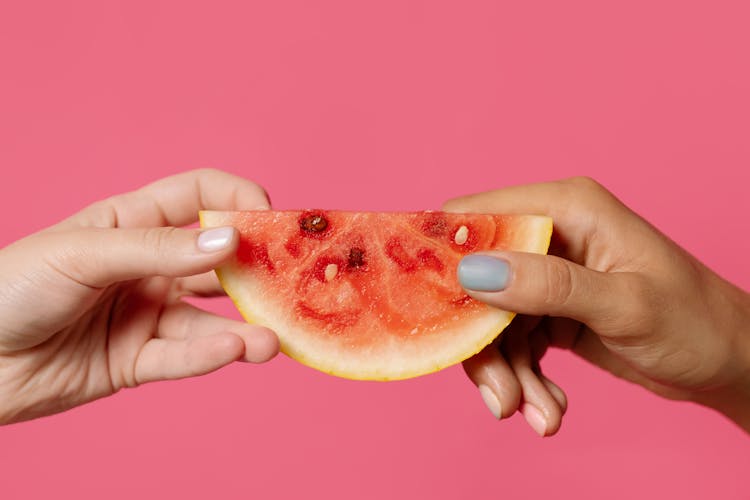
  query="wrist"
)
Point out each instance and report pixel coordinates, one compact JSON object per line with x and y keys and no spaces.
{"x":733,"y":399}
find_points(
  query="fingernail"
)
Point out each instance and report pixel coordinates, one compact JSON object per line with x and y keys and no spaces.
{"x":212,"y":240}
{"x":483,"y":273}
{"x":535,"y":419}
{"x":489,"y":398}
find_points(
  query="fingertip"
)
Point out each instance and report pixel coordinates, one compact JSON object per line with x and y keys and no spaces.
{"x":268,"y":203}
{"x":497,"y":384}
{"x":491,"y":401}
{"x":554,"y":424}
{"x":256,"y":198}
{"x":535,"y":418}
{"x":483,"y":273}
{"x":545,"y":420}
{"x":556,"y":393}
{"x":261,"y":344}
{"x":218,"y":240}
{"x":225,"y":347}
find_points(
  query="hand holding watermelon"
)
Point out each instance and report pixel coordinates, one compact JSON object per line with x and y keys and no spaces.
{"x":93,"y":304}
{"x":616,"y":292}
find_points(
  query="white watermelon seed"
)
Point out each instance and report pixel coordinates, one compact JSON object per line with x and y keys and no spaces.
{"x":461,"y":235}
{"x":331,"y":271}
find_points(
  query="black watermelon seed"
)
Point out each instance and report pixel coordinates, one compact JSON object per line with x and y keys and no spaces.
{"x":313,"y":223}
{"x":356,"y":257}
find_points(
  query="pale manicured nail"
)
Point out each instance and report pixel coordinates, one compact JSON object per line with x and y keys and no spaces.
{"x":489,"y":398}
{"x":483,"y":273}
{"x":216,"y":239}
{"x":535,"y":419}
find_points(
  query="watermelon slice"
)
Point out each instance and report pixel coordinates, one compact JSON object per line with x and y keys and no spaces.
{"x":367,"y":295}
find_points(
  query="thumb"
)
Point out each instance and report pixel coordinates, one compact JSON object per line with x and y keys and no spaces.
{"x":541,"y":285}
{"x":101,"y":257}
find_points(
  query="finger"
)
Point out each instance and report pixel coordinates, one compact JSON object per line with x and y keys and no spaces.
{"x":547,"y":285}
{"x":172,"y":201}
{"x":539,"y":342}
{"x":200,"y":285}
{"x":101,"y":257}
{"x":551,"y":330}
{"x":573,"y":336}
{"x":492,"y":374}
{"x":575,"y":205}
{"x":167,"y":359}
{"x":540,"y":408}
{"x":556,"y":393}
{"x":497,"y":384}
{"x":182,"y":321}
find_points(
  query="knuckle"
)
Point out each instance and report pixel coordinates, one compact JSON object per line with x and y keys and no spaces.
{"x":102,"y":213}
{"x":559,"y":283}
{"x":452,"y":205}
{"x":586,"y":195}
{"x":159,"y":240}
{"x":76,"y":255}
{"x":446,"y":206}
{"x":465,"y":203}
{"x":208,"y":172}
{"x":595,"y":190}
{"x":585,"y":188}
{"x":207,"y":175}
{"x":71,"y":260}
{"x":260,"y":191}
{"x":584,"y":182}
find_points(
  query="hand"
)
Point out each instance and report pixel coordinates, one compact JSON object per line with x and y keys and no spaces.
{"x":93,"y":304}
{"x":616,"y":292}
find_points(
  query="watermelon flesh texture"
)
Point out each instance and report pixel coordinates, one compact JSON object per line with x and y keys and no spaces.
{"x":366,"y":295}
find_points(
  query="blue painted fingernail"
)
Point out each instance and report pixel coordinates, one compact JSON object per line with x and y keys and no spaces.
{"x":483,"y":273}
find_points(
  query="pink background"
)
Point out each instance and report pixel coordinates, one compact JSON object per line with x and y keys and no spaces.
{"x":379,"y":105}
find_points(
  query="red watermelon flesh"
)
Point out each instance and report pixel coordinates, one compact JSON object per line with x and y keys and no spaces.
{"x":368,"y":295}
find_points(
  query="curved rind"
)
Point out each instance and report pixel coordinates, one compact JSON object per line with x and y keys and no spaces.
{"x":421,"y":356}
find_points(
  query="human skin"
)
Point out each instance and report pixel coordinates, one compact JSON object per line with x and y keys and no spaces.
{"x":94,"y":304}
{"x":616,"y":292}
